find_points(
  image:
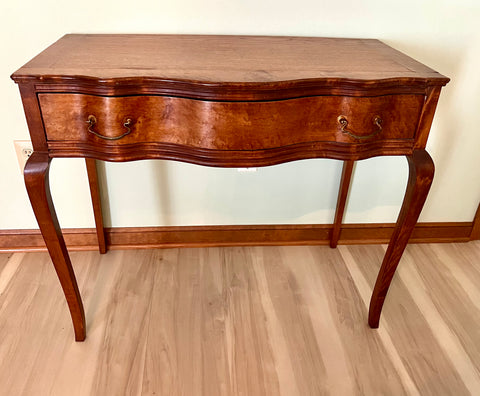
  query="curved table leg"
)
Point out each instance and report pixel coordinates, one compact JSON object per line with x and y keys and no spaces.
{"x":421,"y":170}
{"x":36,"y":181}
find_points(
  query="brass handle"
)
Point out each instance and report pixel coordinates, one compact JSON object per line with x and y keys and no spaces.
{"x":377,"y":121}
{"x":92,"y":120}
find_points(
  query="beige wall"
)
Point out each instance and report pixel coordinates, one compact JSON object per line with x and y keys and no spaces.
{"x":444,"y":34}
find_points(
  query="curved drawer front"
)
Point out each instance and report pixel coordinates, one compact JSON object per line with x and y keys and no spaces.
{"x":228,"y":125}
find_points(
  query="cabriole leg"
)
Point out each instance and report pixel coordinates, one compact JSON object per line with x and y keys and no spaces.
{"x":36,"y":181}
{"x":421,"y":170}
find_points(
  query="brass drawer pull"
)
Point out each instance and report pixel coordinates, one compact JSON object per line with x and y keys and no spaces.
{"x":92,"y":120}
{"x":377,"y":121}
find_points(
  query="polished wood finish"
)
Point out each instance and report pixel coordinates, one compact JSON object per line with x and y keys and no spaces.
{"x":230,"y":101}
{"x":426,"y":118}
{"x":347,"y":170}
{"x":421,"y":170}
{"x":225,"y":67}
{"x":238,"y":235}
{"x":33,"y":116}
{"x":37,"y":183}
{"x":232,"y":132}
{"x":96,"y":203}
{"x":244,"y":321}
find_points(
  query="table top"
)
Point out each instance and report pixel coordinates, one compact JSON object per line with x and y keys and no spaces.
{"x":224,"y":59}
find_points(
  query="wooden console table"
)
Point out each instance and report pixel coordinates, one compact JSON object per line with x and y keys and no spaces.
{"x":225,"y":101}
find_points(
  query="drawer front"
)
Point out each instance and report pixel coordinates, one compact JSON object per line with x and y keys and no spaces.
{"x":228,"y":125}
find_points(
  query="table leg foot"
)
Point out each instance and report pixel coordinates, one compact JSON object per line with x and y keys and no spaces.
{"x":421,"y":170}
{"x":36,"y":181}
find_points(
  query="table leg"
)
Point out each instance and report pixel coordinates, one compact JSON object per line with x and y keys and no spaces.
{"x":421,"y":170}
{"x":96,"y":202}
{"x":36,"y":181}
{"x":342,"y":199}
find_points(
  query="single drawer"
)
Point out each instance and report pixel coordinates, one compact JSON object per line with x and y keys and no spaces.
{"x":229,"y":125}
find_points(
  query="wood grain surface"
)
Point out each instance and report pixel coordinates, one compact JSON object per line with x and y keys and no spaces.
{"x":225,"y":67}
{"x":244,"y":321}
{"x":228,"y":125}
{"x":230,"y":58}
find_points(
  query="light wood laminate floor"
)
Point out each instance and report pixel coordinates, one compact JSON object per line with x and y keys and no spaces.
{"x":243,"y":321}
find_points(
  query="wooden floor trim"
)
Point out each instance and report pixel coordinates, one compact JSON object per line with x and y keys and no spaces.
{"x":238,"y":235}
{"x":475,"y":234}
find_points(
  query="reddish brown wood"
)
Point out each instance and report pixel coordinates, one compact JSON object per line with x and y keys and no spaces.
{"x":341,"y":201}
{"x":232,"y":159}
{"x":227,"y":235}
{"x":96,"y":203}
{"x":421,"y":170}
{"x":226,"y":67}
{"x":229,"y":130}
{"x":426,"y":118}
{"x":228,"y":125}
{"x":36,"y":181}
{"x":475,"y":234}
{"x":33,"y":116}
{"x":226,"y":101}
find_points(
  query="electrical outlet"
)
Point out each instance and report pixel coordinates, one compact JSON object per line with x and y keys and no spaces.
{"x":247,"y":169}
{"x":24,"y":150}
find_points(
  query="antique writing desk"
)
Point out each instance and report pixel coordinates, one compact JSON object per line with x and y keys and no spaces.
{"x":227,"y":101}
